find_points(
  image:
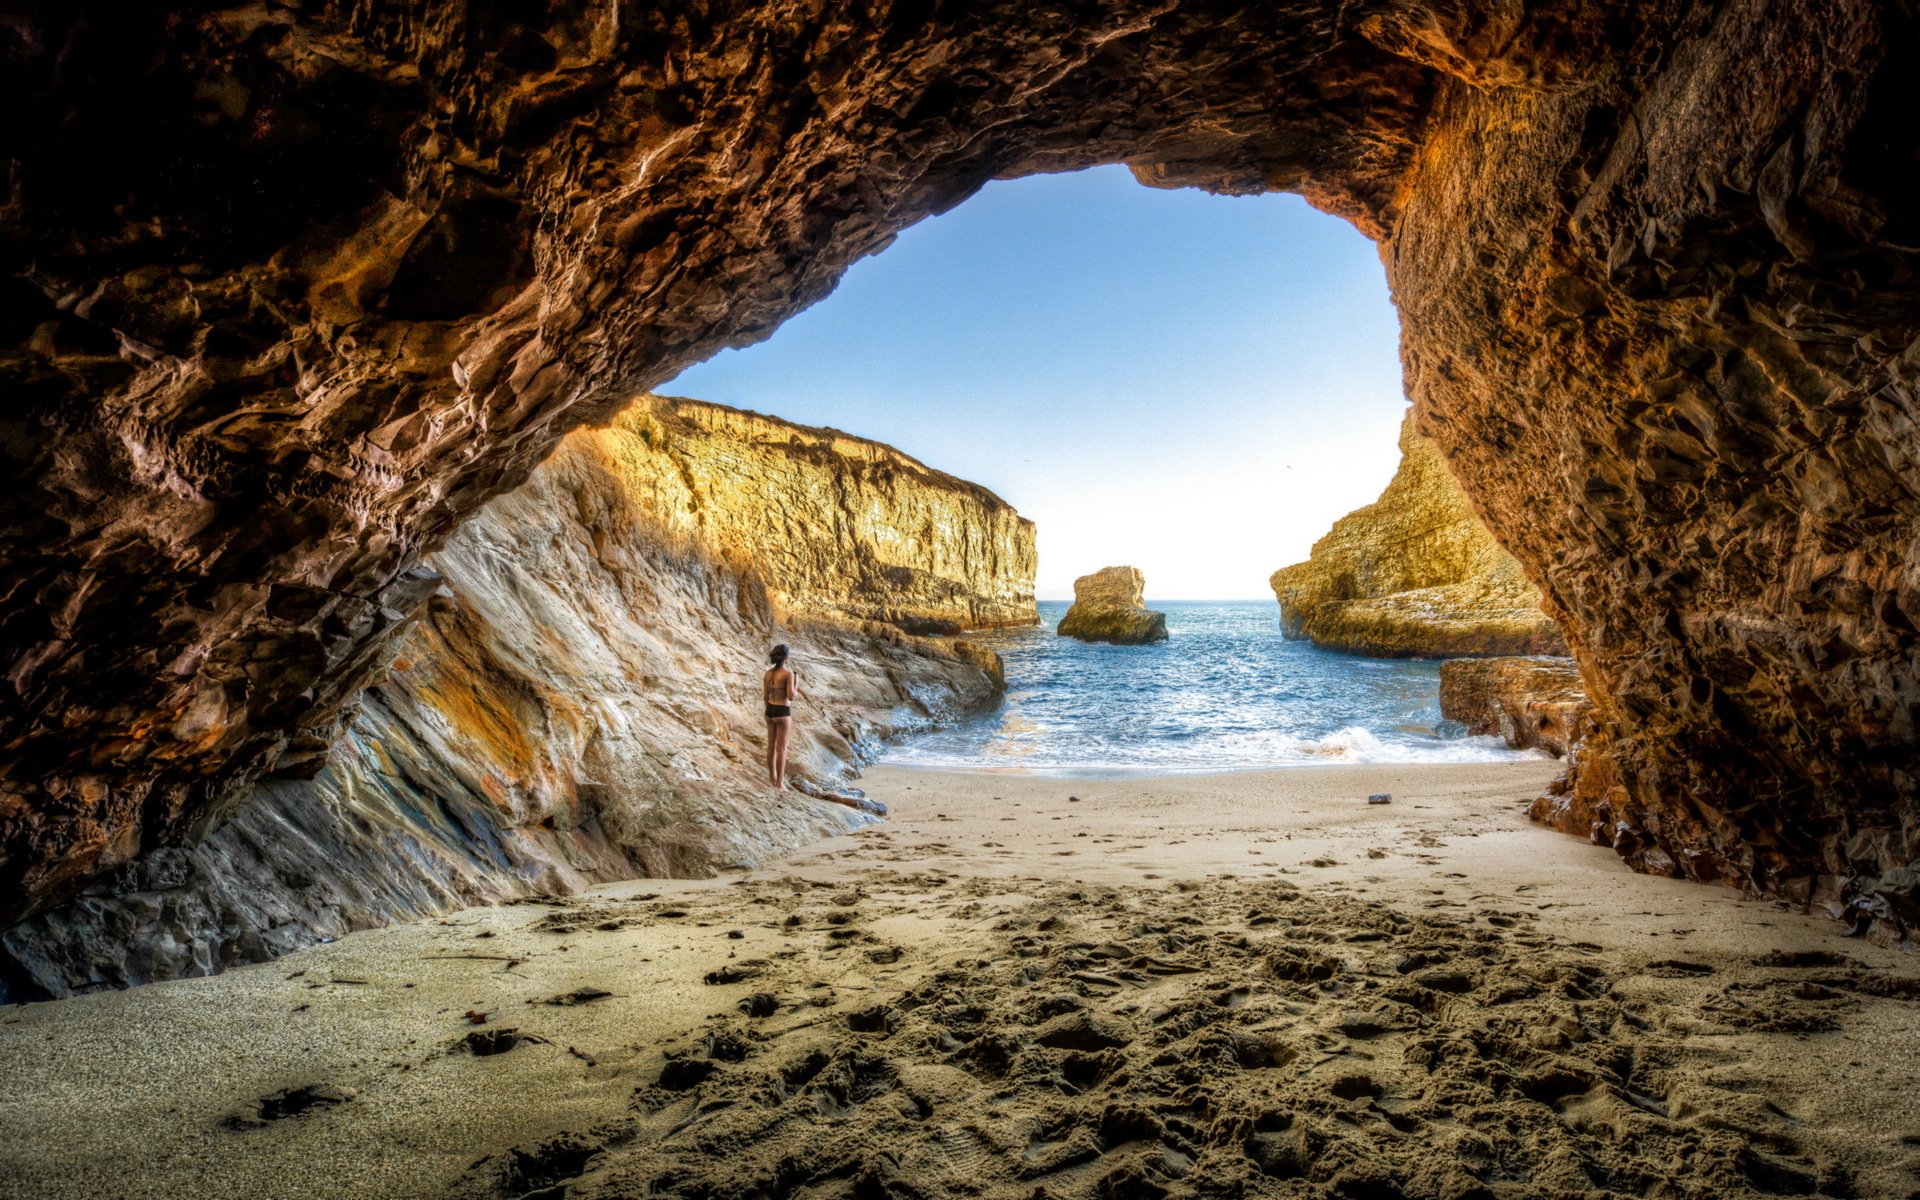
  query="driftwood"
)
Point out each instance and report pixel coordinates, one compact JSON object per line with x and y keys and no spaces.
{"x":852,"y":798}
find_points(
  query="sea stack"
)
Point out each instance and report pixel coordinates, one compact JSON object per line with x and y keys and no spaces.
{"x":1107,"y":607}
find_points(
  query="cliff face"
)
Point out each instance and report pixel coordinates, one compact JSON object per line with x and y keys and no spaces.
{"x":580,"y":700}
{"x":839,"y":525}
{"x":291,"y":291}
{"x":1415,"y":574}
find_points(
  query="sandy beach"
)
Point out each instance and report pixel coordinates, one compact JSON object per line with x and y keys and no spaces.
{"x":1213,"y":985}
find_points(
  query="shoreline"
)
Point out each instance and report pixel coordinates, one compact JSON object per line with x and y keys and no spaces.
{"x":1073,"y":774}
{"x":635,"y":1056}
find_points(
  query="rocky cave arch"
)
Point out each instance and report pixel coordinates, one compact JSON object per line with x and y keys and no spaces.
{"x":295,"y":286}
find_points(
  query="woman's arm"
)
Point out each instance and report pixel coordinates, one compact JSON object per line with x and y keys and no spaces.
{"x":794,"y":682}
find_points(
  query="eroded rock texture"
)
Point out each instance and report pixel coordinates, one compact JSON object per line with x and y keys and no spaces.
{"x":1677,"y":377}
{"x":1532,"y":703}
{"x":580,"y":700}
{"x":1109,"y":606}
{"x":1542,"y":703}
{"x":294,"y":289}
{"x":1415,"y":574}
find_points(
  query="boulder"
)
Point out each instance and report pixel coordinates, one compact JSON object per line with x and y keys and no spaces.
{"x":1107,"y":607}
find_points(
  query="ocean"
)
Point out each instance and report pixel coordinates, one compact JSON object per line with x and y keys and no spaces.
{"x":1225,"y":692}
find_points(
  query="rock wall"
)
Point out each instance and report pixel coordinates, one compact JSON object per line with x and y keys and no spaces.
{"x":1542,"y":703}
{"x":1680,"y":382}
{"x":292,"y":290}
{"x":580,"y":700}
{"x":1415,"y":574}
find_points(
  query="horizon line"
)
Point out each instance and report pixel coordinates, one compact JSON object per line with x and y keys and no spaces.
{"x":1178,"y":600}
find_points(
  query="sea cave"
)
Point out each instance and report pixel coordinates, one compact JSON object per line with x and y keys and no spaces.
{"x":355,"y":564}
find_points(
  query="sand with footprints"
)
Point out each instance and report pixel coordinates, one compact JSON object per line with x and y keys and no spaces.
{"x":1233,"y":985}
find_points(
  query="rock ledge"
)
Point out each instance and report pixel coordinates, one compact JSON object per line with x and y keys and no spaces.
{"x":1534,"y":703}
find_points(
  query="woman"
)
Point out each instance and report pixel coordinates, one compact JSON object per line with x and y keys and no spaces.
{"x":779,"y":689}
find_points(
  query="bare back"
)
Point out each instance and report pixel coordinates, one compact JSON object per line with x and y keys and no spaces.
{"x":776,"y":686}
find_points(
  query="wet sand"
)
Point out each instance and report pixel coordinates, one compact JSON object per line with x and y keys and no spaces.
{"x":1252,"y":984}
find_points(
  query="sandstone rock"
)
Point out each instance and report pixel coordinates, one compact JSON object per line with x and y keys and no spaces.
{"x":1654,"y":263}
{"x":1108,"y":606}
{"x":1414,"y":575}
{"x":1589,"y":799}
{"x":1541,"y":703}
{"x":581,"y":700}
{"x":837,"y":525}
{"x":1533,"y":703}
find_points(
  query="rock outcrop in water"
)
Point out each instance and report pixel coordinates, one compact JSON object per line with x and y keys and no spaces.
{"x":1109,"y":606}
{"x":1415,"y":574}
{"x":580,"y":699}
{"x":293,"y":290}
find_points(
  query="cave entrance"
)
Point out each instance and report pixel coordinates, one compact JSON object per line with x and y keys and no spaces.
{"x":1656,"y":269}
{"x":1195,"y":385}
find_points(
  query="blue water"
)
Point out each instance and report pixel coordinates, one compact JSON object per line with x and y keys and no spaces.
{"x":1224,"y":692}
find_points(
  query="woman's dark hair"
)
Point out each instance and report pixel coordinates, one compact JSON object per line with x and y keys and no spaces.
{"x":779,"y":655}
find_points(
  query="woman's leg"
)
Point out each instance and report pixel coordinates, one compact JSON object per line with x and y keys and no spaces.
{"x":782,"y":726}
{"x":774,"y":726}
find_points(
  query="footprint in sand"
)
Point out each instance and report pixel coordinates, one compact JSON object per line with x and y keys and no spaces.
{"x":1344,"y":1048}
{"x":279,"y":1106}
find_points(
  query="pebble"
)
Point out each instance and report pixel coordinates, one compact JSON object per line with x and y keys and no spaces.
{"x":1380,"y":798}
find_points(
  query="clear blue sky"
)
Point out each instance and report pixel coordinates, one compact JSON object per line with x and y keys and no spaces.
{"x":1195,"y":385}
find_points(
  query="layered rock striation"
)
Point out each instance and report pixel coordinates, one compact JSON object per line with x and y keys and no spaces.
{"x":580,"y":699}
{"x":1109,"y":606}
{"x":1415,"y":574}
{"x":292,"y":291}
